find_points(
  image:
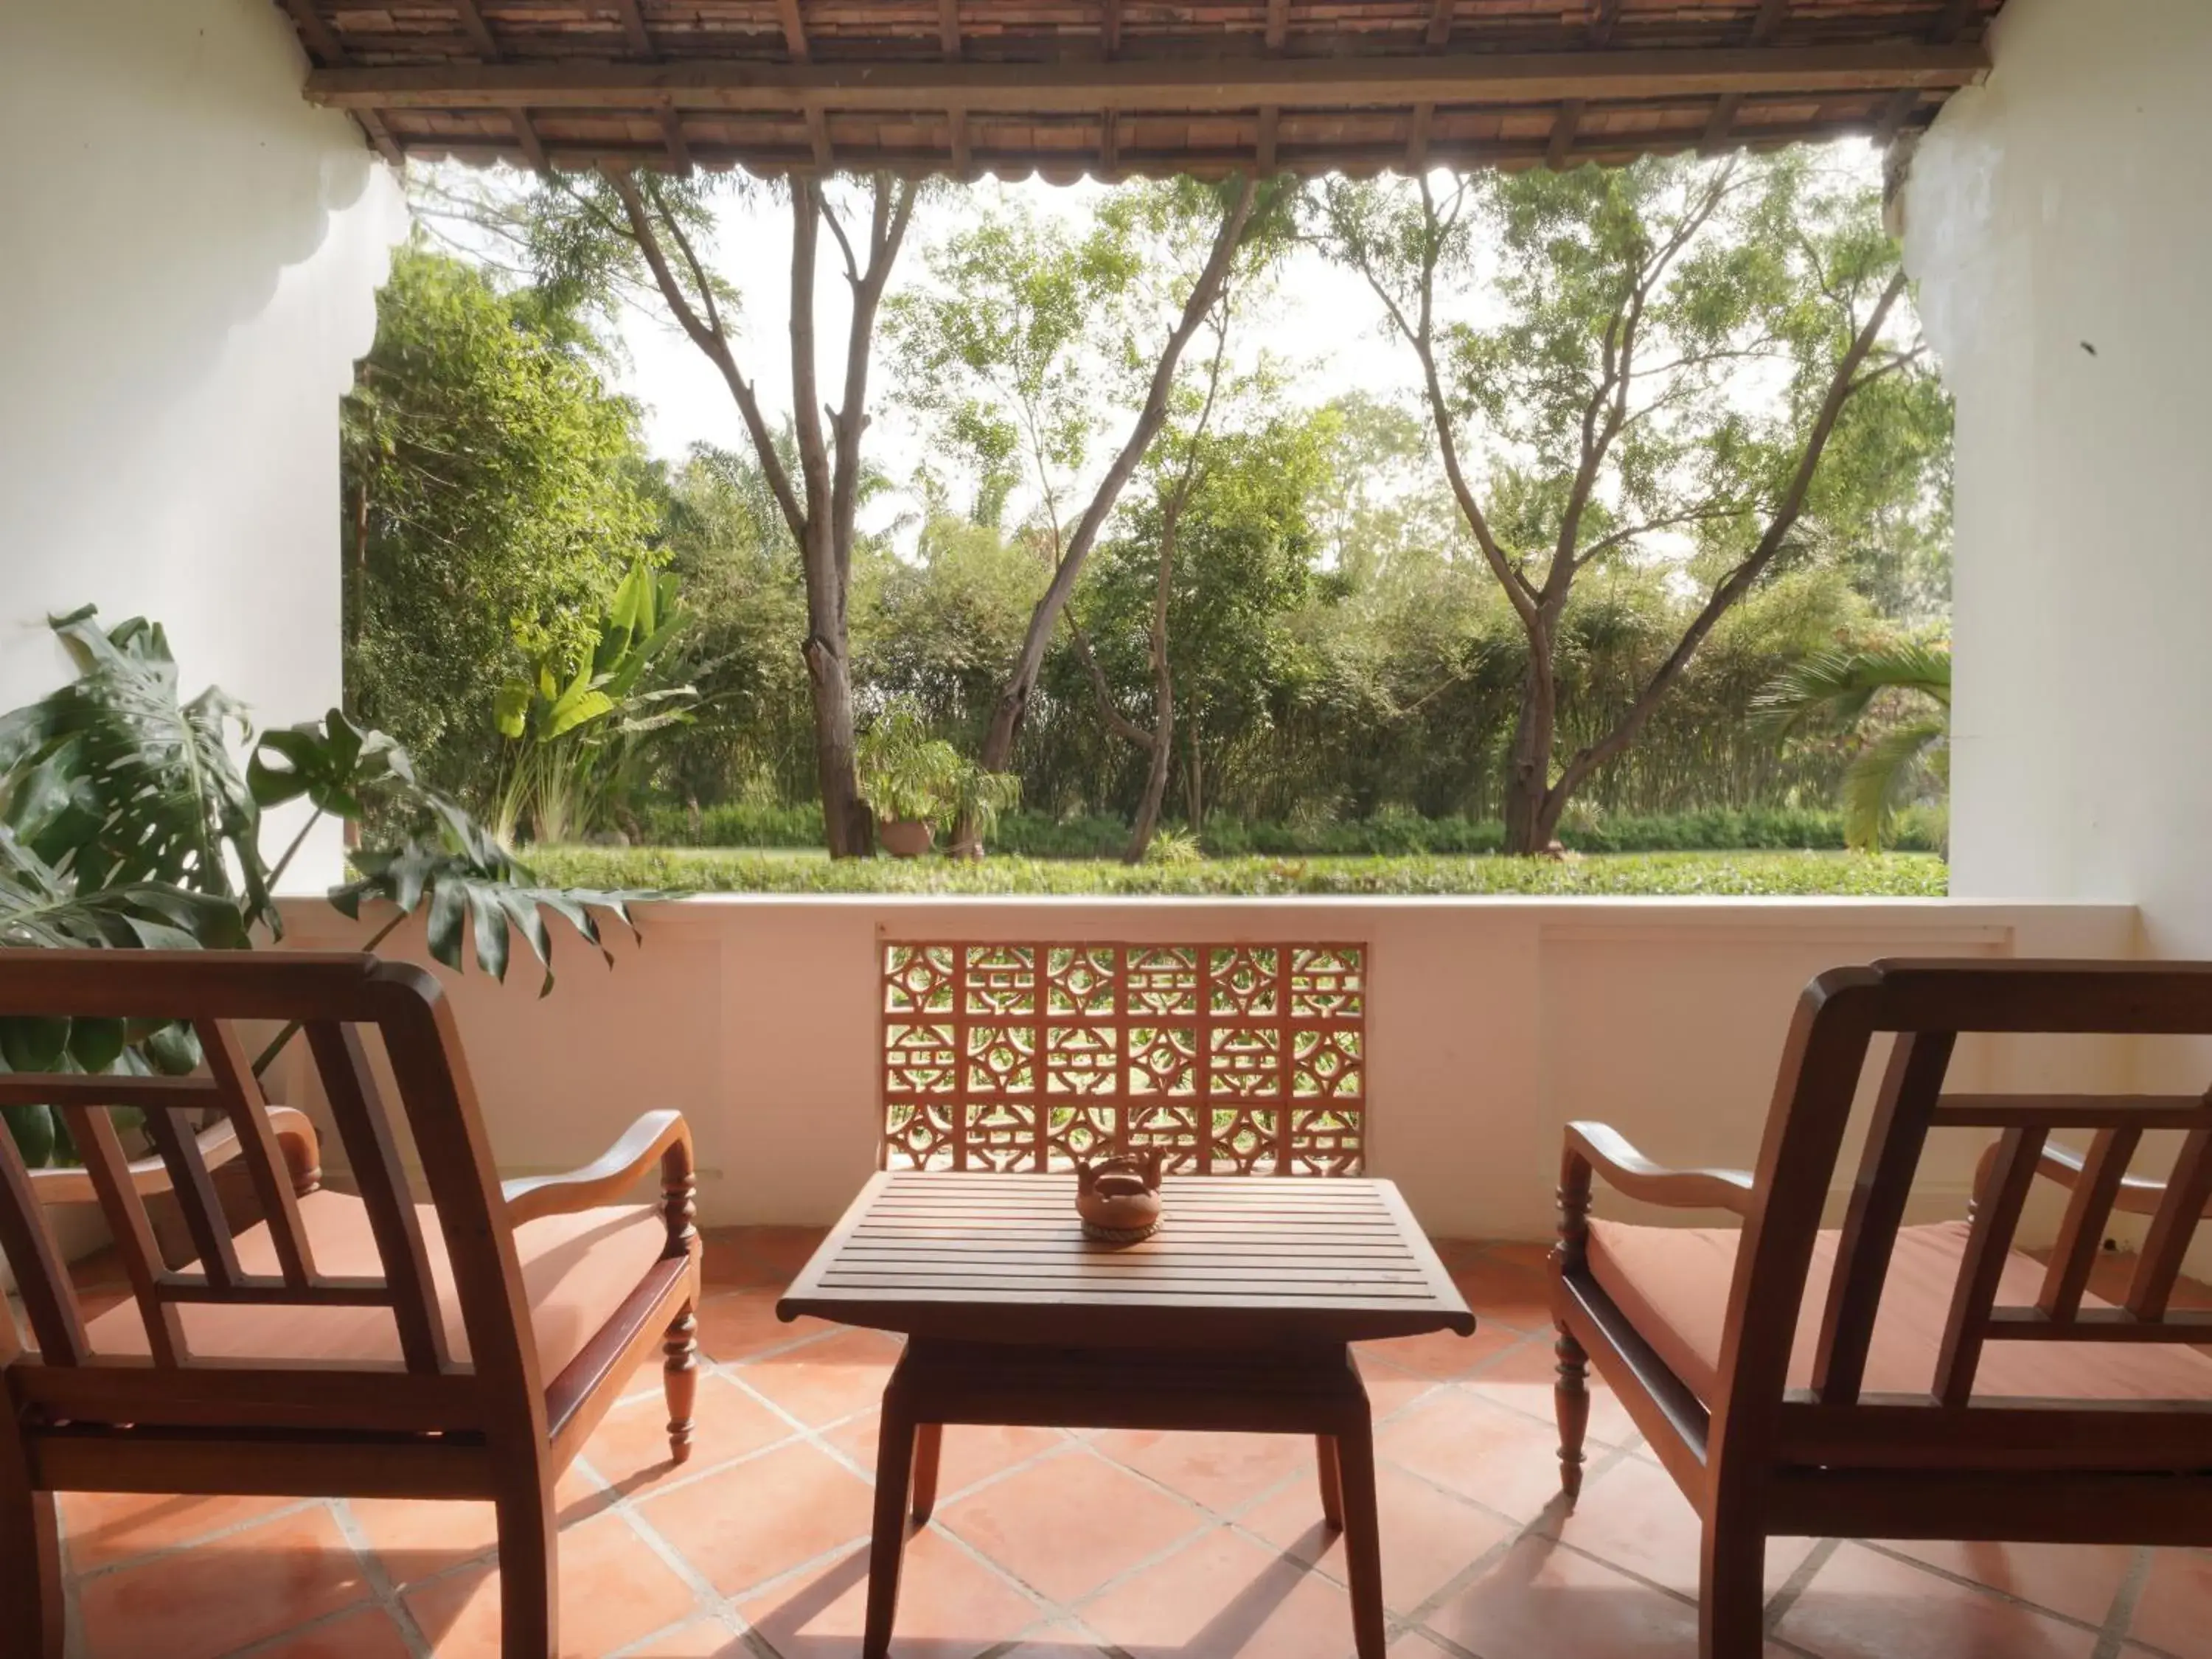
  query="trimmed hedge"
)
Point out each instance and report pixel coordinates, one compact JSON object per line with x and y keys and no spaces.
{"x":1388,"y":835}
{"x":1905,"y":875}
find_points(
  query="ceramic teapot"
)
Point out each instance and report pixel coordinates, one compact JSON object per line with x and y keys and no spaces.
{"x":1118,"y":1197}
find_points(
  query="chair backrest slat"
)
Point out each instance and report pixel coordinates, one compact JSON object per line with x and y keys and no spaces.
{"x":41,"y":1276}
{"x":1895,"y":1138}
{"x":247,"y":1108}
{"x":198,"y":1201}
{"x":1988,"y":1242}
{"x":366,"y":1129}
{"x":2188,"y":1190}
{"x":2081,"y":1234}
{"x":93,"y":1132}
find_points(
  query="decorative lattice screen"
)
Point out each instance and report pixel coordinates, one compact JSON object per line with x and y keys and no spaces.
{"x":1235,"y":1058}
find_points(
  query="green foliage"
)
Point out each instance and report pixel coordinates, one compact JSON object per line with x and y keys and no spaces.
{"x":495,"y":494}
{"x":1913,"y":680}
{"x":575,"y":725}
{"x":907,"y":776}
{"x":122,"y":811}
{"x":116,"y":782}
{"x":1631,"y":371}
{"x":1904,"y":875}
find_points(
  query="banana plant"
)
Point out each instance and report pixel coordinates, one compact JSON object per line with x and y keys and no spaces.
{"x":575,"y":726}
{"x":1841,"y":686}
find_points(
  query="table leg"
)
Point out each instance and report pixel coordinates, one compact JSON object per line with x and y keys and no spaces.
{"x":895,"y":1458}
{"x":1363,"y":1542}
{"x":1332,"y":1480}
{"x":928,"y":1443}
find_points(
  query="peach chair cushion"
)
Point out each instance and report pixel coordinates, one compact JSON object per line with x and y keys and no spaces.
{"x":1673,"y":1285}
{"x":576,"y":1270}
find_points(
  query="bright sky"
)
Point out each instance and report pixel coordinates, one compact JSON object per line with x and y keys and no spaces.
{"x":1322,"y":319}
{"x":1321,"y":322}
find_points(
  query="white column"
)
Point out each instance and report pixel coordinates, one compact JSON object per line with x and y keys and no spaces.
{"x":189,"y":258}
{"x":2059,"y":222}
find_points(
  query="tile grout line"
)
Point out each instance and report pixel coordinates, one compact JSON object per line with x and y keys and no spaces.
{"x":2122,"y":1613}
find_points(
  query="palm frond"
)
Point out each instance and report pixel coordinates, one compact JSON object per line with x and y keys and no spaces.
{"x":1877,"y":777}
{"x":1840,"y":685}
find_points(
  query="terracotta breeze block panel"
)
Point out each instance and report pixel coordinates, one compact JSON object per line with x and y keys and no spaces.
{"x":1231,"y":1059}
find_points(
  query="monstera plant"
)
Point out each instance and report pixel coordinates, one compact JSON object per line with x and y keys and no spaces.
{"x":127,"y":822}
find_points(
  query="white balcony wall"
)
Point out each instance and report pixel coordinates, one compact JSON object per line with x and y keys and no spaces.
{"x":189,"y":258}
{"x":2059,"y":223}
{"x":1490,"y":1023}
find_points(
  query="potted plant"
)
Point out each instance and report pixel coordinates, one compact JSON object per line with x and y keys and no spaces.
{"x":126,"y":823}
{"x":916,"y":784}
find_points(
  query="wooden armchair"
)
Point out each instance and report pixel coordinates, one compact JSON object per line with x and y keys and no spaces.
{"x":1907,"y":1381}
{"x":342,"y":1346}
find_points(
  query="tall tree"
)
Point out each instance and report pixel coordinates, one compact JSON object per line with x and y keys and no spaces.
{"x":1027,"y":325}
{"x":625,"y":234}
{"x":493,"y":499}
{"x":1677,"y":346}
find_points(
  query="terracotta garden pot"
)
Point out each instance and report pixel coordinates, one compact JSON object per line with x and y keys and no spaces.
{"x":905,"y":838}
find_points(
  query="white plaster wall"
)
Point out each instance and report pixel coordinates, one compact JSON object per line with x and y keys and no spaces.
{"x":189,"y":257}
{"x":1492,"y":1024}
{"x":2059,"y":221}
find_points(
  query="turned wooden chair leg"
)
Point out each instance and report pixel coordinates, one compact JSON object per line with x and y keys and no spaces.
{"x":895,"y":1461}
{"x":30,"y":1571}
{"x":928,"y":1448}
{"x":1571,"y":1403}
{"x":1332,"y":1480}
{"x":1362,"y":1536}
{"x":1732,"y":1593}
{"x":529,"y":1573}
{"x":680,"y":1379}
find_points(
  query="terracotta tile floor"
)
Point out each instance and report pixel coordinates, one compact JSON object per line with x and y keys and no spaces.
{"x":1056,"y":1546}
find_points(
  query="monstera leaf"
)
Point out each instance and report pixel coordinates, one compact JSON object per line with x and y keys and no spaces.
{"x":40,"y":906}
{"x":335,"y":765}
{"x":476,"y":892}
{"x":114,"y":782}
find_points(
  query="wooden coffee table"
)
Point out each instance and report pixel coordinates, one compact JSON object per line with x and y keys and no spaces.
{"x":1235,"y":1316}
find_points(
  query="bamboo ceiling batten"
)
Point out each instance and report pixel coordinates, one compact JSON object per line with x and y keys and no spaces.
{"x":1113,"y":87}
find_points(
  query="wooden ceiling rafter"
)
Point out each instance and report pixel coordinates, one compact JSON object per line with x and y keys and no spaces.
{"x":635,"y":29}
{"x":1160,"y":85}
{"x":326,"y":50}
{"x":1559,"y":150}
{"x":955,"y":117}
{"x":1417,"y":141}
{"x":479,"y":31}
{"x":679,"y":146}
{"x":1719,"y":129}
{"x":1207,"y":85}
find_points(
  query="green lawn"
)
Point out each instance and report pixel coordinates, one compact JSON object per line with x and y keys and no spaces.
{"x":725,"y":869}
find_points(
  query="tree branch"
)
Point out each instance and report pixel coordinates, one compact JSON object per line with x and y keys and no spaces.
{"x":1841,"y":386}
{"x":713,"y":342}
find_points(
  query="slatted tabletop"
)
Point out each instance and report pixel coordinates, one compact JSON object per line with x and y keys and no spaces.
{"x":1002,"y":1258}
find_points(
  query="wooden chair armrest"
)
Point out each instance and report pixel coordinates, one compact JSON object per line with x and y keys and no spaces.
{"x":1597,"y":1147}
{"x":662,"y":1138}
{"x":2138,"y":1195}
{"x":218,"y":1146}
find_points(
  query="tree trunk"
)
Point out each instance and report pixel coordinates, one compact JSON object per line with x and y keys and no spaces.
{"x":1529,"y":766}
{"x":1013,"y":700}
{"x":1163,"y":759}
{"x":848,"y":825}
